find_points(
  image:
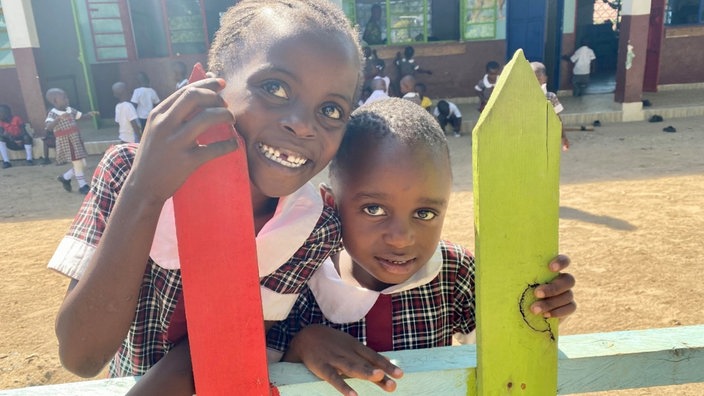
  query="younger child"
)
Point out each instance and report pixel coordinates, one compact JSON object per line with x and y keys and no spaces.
{"x":293,"y":70}
{"x":542,"y":76}
{"x":407,"y":66}
{"x":380,"y":73}
{"x":180,"y":74}
{"x":396,"y":285}
{"x":408,"y":89}
{"x":447,"y":112}
{"x":61,"y":121}
{"x":13,"y":136}
{"x":125,"y":115}
{"x":378,"y":87}
{"x":485,"y":86}
{"x":144,"y":98}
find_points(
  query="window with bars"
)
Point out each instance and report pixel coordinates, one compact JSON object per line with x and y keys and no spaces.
{"x":6,"y":57}
{"x":684,"y":12}
{"x":106,"y":28}
{"x":409,"y":21}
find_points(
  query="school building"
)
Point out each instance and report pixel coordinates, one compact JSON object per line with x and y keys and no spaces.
{"x":84,"y":46}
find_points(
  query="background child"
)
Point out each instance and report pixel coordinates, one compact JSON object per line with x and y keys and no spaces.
{"x":408,"y":89}
{"x":180,"y":74}
{"x":144,"y":98}
{"x":542,"y":76}
{"x":125,"y":115}
{"x":13,"y":136}
{"x":407,"y":66}
{"x":380,"y":73}
{"x":447,"y":112}
{"x":396,"y":285}
{"x":485,"y":86}
{"x":61,"y":120}
{"x":289,"y":94}
{"x":582,"y":60}
{"x":378,"y":87}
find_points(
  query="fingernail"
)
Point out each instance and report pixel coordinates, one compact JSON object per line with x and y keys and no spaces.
{"x":536,"y":309}
{"x":221,"y":82}
{"x":539,"y":293}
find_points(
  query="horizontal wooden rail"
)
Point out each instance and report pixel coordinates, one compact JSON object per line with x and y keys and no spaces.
{"x":587,"y":363}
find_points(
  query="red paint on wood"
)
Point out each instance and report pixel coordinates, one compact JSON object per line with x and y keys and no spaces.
{"x":218,"y":256}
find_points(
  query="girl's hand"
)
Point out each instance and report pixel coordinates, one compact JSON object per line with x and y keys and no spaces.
{"x":556,"y":297}
{"x":332,"y":354}
{"x":168,"y":152}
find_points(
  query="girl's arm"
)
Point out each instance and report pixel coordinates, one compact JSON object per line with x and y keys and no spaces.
{"x":96,"y":315}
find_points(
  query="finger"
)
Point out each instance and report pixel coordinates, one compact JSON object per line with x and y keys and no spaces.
{"x":330,"y":375}
{"x":380,"y":361}
{"x":557,"y":286}
{"x":549,"y":304}
{"x":559,"y":263}
{"x":187,"y":99}
{"x":203,"y":120}
{"x":387,"y":384}
{"x":204,"y":154}
{"x":562,"y":311}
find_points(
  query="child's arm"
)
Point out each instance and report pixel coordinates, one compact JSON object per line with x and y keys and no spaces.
{"x":95,"y":316}
{"x":556,"y":297}
{"x":331,"y":354}
{"x":136,"y":128}
{"x":172,"y":375}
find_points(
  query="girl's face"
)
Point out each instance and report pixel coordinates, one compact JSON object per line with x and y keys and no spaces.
{"x":291,"y":100}
{"x":392,"y":207}
{"x":60,"y":101}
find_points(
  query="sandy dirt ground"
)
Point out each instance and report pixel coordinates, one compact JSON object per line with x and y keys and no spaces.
{"x":631,"y":219}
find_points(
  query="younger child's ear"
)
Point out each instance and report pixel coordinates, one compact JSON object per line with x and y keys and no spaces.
{"x":327,"y":195}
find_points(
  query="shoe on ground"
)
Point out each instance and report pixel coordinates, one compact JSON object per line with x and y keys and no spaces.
{"x":596,"y":123}
{"x":457,"y":134}
{"x":46,"y":161}
{"x":30,"y":162}
{"x":84,"y":190}
{"x":655,"y":118}
{"x":66,"y":183}
{"x":6,"y":165}
{"x":669,"y":128}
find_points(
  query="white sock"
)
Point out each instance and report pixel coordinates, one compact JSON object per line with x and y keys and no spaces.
{"x":69,"y":174}
{"x":28,"y":150}
{"x":78,"y":169}
{"x":3,"y":152}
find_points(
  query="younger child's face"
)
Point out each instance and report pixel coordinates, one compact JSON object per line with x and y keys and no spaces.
{"x":291,"y":101}
{"x":60,"y":101}
{"x":392,"y":209}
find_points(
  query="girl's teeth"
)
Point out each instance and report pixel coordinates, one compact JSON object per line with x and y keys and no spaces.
{"x":290,"y":161}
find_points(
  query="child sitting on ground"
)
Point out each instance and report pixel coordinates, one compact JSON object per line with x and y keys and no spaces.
{"x":396,"y":285}
{"x":293,"y":71}
{"x":13,"y":136}
{"x":485,"y":86}
{"x":61,"y":121}
{"x":129,"y":130}
{"x":447,"y":112}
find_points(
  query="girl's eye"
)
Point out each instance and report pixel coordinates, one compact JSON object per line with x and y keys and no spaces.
{"x":425,"y":214}
{"x":373,"y":210}
{"x":332,"y":111}
{"x":275,"y":88}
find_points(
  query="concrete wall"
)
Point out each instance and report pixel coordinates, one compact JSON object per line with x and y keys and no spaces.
{"x":681,"y":56}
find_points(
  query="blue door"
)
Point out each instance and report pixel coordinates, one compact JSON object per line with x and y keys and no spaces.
{"x":536,"y":27}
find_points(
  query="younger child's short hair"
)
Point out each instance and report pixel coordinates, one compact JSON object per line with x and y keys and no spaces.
{"x":492,"y":65}
{"x":52,"y":93}
{"x":392,"y":118}
{"x":408,"y":52}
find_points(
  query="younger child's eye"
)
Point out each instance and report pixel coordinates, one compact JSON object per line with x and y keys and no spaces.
{"x":275,"y":88}
{"x":425,"y":214}
{"x":374,"y":210}
{"x":332,"y":111}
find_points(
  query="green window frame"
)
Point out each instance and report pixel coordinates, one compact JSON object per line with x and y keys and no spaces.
{"x":412,"y":21}
{"x":106,"y":29}
{"x":7,"y":59}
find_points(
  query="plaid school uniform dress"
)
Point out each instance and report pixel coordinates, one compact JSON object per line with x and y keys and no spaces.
{"x":149,"y":337}
{"x":425,"y":311}
{"x":69,"y":144}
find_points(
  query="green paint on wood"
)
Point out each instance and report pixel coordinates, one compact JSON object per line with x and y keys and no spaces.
{"x":516,"y":154}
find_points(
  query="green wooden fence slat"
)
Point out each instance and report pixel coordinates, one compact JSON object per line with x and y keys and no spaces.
{"x":516,"y":154}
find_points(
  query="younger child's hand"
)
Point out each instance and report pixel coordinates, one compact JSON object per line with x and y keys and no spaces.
{"x":331,"y":354}
{"x":556,"y":297}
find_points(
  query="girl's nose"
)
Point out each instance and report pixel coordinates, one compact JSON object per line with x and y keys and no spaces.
{"x":299,"y":121}
{"x":399,"y":233}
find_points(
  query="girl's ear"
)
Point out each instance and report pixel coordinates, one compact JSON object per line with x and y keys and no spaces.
{"x":327,"y":195}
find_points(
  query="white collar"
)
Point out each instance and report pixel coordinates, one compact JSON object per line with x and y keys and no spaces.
{"x":343,"y":300}
{"x":295,"y":217}
{"x":68,"y":110}
{"x":486,"y":81}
